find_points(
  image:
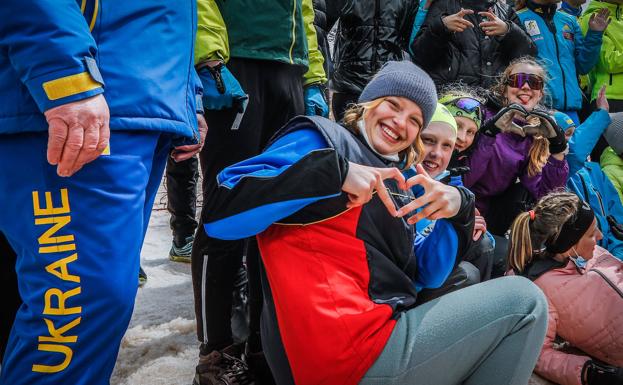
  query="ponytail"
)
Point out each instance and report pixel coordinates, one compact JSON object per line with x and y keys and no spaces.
{"x":520,"y":248}
{"x":538,"y":155}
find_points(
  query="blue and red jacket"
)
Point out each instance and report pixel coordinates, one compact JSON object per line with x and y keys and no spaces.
{"x":338,"y":278}
{"x":53,"y":52}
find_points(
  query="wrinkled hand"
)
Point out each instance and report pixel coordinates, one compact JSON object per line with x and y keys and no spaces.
{"x":182,"y":153}
{"x":456,"y":22}
{"x":438,"y":201}
{"x":599,"y":20}
{"x":78,"y":132}
{"x":362,"y":181}
{"x":602,"y":101}
{"x":480,"y":226}
{"x":494,"y":26}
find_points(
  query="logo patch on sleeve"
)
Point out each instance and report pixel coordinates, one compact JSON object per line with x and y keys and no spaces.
{"x":532,"y":27}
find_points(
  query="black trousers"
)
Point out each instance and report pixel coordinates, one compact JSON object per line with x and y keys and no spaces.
{"x":275,"y":96}
{"x":181,"y":179}
{"x":11,"y":299}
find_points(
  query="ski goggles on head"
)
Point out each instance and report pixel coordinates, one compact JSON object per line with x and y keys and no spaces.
{"x":535,"y":82}
{"x":464,"y":106}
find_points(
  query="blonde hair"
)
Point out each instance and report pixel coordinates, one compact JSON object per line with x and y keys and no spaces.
{"x":355,"y":112}
{"x":539,"y":150}
{"x":528,"y":236}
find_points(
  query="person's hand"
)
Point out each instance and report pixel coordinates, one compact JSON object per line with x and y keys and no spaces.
{"x":494,"y":26}
{"x":315,"y":103}
{"x":438,"y":201}
{"x":599,"y":20}
{"x":602,"y":101}
{"x":362,"y":181}
{"x":480,"y":226}
{"x":558,"y":143}
{"x":456,"y":22}
{"x":182,"y":153}
{"x":503,"y":121}
{"x":78,"y":132}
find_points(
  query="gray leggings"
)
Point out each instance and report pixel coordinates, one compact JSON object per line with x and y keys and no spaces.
{"x":489,"y":333}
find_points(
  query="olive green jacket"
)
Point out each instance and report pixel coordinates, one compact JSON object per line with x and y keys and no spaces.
{"x":280,"y":30}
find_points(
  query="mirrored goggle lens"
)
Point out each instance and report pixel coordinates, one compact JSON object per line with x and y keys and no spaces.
{"x":518,"y":80}
{"x":468,"y":104}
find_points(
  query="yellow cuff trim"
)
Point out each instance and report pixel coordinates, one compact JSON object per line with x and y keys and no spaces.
{"x":69,"y":85}
{"x":106,"y":150}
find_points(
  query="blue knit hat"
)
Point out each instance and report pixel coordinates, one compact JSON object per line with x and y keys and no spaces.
{"x":403,"y":78}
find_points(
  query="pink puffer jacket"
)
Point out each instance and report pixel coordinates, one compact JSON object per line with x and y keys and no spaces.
{"x":586,"y":309}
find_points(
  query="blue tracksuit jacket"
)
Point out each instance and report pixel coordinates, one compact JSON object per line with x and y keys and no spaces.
{"x":57,"y":51}
{"x":565,"y":52}
{"x":590,"y":183}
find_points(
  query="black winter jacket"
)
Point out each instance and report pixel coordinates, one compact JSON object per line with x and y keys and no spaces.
{"x":469,"y":56}
{"x":321,"y":22}
{"x":370,"y":33}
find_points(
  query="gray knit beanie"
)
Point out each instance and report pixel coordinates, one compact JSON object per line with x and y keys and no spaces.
{"x":614,"y":132}
{"x":403,"y":78}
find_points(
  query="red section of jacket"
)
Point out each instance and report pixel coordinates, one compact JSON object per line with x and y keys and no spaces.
{"x":318,"y":274}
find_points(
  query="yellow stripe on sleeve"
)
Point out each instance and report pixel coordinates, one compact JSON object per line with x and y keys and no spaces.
{"x":69,"y":85}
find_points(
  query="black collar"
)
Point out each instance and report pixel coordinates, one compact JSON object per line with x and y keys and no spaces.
{"x":547,"y":12}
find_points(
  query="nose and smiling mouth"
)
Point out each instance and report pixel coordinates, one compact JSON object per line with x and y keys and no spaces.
{"x":390,"y":133}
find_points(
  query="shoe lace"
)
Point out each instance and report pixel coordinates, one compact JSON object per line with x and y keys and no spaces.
{"x":235,"y":371}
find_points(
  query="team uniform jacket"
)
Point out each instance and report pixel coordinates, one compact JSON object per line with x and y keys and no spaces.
{"x":588,"y":181}
{"x":339,"y":278}
{"x":564,"y":52}
{"x":281,"y":30}
{"x":54,"y":52}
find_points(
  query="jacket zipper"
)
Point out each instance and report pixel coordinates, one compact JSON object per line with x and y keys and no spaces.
{"x":293,"y":31}
{"x":610,"y":79}
{"x":377,"y":11}
{"x":562,"y":72}
{"x":603,"y":211}
{"x":609,"y":282}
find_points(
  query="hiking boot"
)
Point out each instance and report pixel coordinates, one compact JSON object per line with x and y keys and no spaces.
{"x":222,"y":368}
{"x":142,"y":276}
{"x":180,"y":251}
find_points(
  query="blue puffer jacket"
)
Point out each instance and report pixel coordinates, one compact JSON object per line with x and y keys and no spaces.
{"x":564,"y":54}
{"x":588,"y":181}
{"x":138,"y":53}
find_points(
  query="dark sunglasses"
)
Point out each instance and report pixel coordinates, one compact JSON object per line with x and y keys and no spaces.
{"x":535,"y":82}
{"x":468,"y":105}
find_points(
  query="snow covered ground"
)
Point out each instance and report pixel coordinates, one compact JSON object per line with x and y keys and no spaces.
{"x":160,"y":346}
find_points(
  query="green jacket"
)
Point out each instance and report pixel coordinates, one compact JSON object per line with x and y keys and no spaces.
{"x":280,"y":30}
{"x":612,"y":166}
{"x":609,"y":69}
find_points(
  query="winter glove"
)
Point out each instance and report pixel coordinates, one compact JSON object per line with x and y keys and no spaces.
{"x":541,"y":122}
{"x":315,"y":104}
{"x":558,"y":143}
{"x":599,"y":373}
{"x":220,"y":88}
{"x":503,"y":121}
{"x":615,"y":227}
